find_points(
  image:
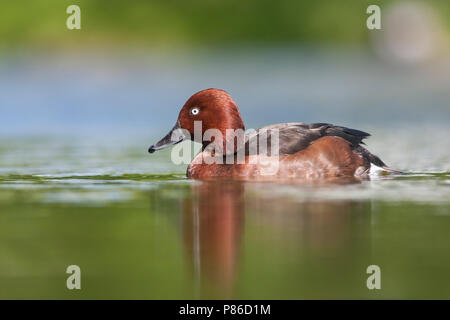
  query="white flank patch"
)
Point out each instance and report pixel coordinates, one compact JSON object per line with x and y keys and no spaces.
{"x":376,"y":171}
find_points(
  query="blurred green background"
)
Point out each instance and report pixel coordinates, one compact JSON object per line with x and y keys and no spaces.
{"x":156,"y":24}
{"x":310,"y":61}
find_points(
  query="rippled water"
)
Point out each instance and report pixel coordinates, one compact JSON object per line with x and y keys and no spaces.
{"x":139,"y":229}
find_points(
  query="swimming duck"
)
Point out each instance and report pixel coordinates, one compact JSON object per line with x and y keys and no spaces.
{"x":302,"y":151}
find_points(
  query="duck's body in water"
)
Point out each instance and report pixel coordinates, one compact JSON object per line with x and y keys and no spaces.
{"x":303,"y":151}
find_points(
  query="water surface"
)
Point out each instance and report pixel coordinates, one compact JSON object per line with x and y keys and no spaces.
{"x":139,"y":229}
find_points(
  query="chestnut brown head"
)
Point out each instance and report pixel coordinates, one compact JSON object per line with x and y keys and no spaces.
{"x":214,"y":108}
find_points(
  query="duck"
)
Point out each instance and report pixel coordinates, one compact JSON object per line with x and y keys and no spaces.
{"x":292,"y":150}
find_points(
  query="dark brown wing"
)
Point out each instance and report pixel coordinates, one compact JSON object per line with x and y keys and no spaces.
{"x":294,"y":137}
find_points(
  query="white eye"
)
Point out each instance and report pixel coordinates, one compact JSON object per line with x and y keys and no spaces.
{"x":195,"y":111}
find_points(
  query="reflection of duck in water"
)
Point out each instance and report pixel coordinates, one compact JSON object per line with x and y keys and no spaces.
{"x":212,"y":227}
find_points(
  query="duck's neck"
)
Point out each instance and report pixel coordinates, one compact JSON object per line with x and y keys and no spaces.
{"x":228,"y":137}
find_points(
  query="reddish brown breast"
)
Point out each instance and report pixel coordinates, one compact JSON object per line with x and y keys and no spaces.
{"x":327,"y":157}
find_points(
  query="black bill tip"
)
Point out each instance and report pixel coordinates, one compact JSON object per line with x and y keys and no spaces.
{"x":151,"y":149}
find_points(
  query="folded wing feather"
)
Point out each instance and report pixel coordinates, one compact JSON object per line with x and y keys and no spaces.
{"x":295,"y":136}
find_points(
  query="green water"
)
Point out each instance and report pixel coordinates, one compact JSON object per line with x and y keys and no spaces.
{"x":139,"y":229}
